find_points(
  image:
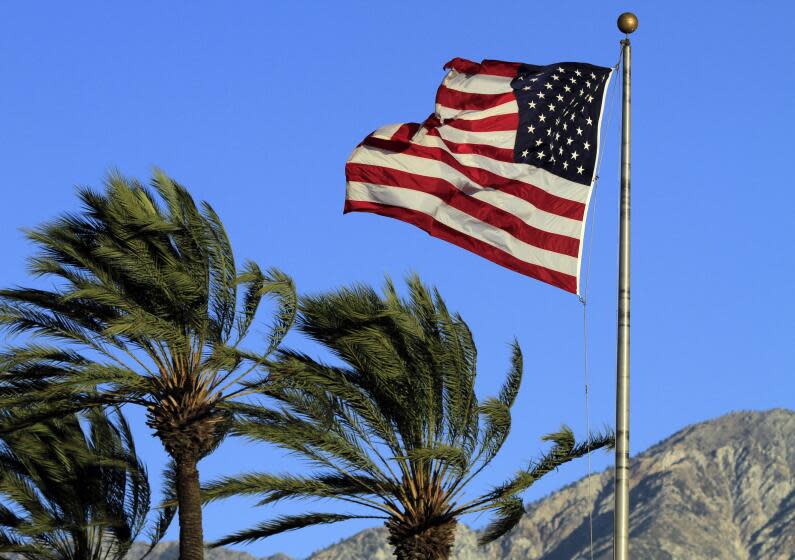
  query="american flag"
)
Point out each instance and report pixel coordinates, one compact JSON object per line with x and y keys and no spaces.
{"x":504,"y":167}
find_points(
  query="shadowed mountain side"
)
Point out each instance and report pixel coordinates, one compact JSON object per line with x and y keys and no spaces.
{"x":722,"y":489}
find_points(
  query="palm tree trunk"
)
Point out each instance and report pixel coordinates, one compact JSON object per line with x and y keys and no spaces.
{"x":191,"y":536}
{"x":433,"y":541}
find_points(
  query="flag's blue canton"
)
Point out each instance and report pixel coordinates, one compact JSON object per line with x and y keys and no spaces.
{"x":559,"y":110}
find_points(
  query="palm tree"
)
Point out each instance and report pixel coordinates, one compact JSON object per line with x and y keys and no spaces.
{"x":396,"y":428}
{"x":147,"y":308}
{"x":70,"y":494}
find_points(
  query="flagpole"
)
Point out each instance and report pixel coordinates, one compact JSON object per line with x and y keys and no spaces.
{"x":627,"y":23}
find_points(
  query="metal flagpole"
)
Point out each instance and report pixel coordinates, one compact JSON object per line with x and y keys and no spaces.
{"x":627,"y":23}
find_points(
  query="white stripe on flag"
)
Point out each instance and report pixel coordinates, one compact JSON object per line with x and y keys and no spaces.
{"x":505,"y":109}
{"x":477,"y":83}
{"x":498,"y":139}
{"x":447,"y":113}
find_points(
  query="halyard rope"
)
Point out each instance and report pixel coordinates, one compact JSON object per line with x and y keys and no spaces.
{"x":584,"y":301}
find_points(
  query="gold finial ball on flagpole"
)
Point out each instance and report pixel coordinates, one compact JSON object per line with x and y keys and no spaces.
{"x":627,"y":22}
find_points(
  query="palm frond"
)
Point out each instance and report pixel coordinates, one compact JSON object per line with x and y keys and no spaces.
{"x":273,"y":488}
{"x":322,"y":446}
{"x":510,"y":388}
{"x":509,"y":512}
{"x":564,"y":450}
{"x":447,"y":455}
{"x":281,"y":287}
{"x":223,"y":273}
{"x":283,"y":524}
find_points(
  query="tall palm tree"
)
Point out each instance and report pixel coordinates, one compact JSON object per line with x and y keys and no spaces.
{"x":69,"y":493}
{"x":147,"y":307}
{"x":396,"y":428}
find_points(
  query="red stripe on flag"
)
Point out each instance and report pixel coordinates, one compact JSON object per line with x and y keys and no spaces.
{"x":449,"y":194}
{"x":496,"y":123}
{"x":465,"y":101}
{"x":441,"y":231}
{"x":490,"y":67}
{"x":539,"y":198}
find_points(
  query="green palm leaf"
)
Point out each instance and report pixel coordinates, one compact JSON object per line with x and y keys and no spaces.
{"x":283,"y":524}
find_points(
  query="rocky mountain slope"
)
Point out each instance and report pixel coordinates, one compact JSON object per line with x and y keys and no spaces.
{"x":723,"y":489}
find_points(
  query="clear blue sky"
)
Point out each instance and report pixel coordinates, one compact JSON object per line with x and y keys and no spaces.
{"x":255,"y":106}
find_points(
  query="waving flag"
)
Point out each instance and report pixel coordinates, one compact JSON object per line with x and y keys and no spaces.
{"x":504,"y":167}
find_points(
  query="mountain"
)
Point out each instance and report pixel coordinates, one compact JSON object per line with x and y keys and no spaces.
{"x":722,"y":489}
{"x":170,"y":551}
